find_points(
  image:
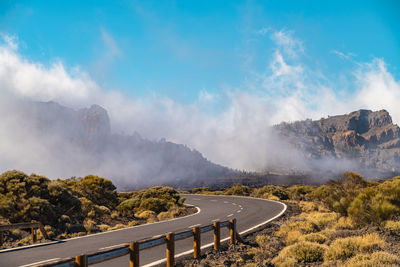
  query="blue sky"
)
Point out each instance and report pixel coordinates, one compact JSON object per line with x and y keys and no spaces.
{"x":181,"y":48}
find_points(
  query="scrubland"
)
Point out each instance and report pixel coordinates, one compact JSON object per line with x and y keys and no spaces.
{"x":79,"y":206}
{"x":345,"y":222}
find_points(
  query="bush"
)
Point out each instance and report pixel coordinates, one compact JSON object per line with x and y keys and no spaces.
{"x":320,"y":219}
{"x":345,"y":248}
{"x":239,"y":190}
{"x":393,"y":226}
{"x":379,"y":258}
{"x":301,"y":252}
{"x":271,"y":190}
{"x":344,"y":223}
{"x":314,"y":237}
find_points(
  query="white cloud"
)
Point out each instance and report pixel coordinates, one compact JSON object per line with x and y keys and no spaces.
{"x":238,"y":136}
{"x":289,"y":45}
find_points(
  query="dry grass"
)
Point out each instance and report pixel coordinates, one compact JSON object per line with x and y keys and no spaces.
{"x":321,"y":219}
{"x":345,"y":248}
{"x":344,"y":223}
{"x":301,"y":252}
{"x":379,"y":258}
{"x":314,"y":237}
{"x":393,"y":226}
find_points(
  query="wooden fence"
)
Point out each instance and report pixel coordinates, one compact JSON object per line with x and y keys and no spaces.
{"x":33,"y":226}
{"x":134,"y":248}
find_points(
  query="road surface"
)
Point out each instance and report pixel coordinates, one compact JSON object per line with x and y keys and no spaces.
{"x":249,"y":213}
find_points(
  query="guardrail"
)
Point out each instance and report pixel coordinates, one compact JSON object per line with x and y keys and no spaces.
{"x":134,"y":248}
{"x":33,"y":226}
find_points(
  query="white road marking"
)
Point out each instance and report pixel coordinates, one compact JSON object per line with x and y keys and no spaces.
{"x":230,"y":215}
{"x":226,"y":202}
{"x":213,"y":200}
{"x":240,"y":205}
{"x":215,"y":220}
{"x":194,"y":225}
{"x":196,"y":198}
{"x":30,"y":264}
{"x":234,"y":204}
{"x":239,"y":211}
{"x":110,"y":247}
{"x":156,"y":263}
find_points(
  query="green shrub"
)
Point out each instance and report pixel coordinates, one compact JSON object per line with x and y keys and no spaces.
{"x":273,"y":190}
{"x":238,"y":190}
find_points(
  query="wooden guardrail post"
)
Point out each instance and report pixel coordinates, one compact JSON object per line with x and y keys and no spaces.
{"x":196,"y":242}
{"x":33,"y":233}
{"x":170,"y":249}
{"x":1,"y":238}
{"x":217,"y":236}
{"x":232,"y":228}
{"x":81,"y":261}
{"x":134,"y":254}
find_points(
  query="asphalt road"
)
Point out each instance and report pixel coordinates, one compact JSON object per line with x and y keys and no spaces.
{"x":249,"y":212}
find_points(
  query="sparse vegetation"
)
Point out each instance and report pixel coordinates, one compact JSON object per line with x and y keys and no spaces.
{"x":79,"y":206}
{"x":345,"y":222}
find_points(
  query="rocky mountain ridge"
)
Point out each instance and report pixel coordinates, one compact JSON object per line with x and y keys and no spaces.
{"x":366,"y":137}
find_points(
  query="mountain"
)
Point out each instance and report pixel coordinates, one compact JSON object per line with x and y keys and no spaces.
{"x":368,"y":139}
{"x":64,"y":142}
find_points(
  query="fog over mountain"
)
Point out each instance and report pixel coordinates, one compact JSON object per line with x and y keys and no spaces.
{"x":58,"y":141}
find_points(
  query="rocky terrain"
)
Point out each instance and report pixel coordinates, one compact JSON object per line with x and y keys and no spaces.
{"x":369,"y":139}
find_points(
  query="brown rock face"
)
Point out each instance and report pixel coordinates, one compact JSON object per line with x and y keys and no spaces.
{"x":366,"y":136}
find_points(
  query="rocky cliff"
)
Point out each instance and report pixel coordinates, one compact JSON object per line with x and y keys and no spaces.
{"x":366,"y":137}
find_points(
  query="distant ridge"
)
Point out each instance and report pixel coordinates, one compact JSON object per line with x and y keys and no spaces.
{"x":364,"y":136}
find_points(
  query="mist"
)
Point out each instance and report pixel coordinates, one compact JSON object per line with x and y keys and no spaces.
{"x":238,"y":136}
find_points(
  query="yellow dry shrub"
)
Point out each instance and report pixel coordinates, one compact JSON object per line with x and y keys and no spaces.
{"x":321,"y":219}
{"x":305,"y":227}
{"x":345,"y":248}
{"x":133,"y":223}
{"x":308,"y":206}
{"x":103,"y":227}
{"x":314,"y":237}
{"x":344,"y":223}
{"x":393,"y":226}
{"x":145,"y":215}
{"x":50,"y":231}
{"x":292,"y":237}
{"x":165,"y":215}
{"x":271,"y":197}
{"x":262,"y":240}
{"x":114,"y":214}
{"x":118,"y":226}
{"x":379,"y":258}
{"x":301,"y":252}
{"x":90,"y":226}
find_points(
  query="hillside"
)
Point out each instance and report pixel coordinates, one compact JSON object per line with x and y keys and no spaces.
{"x":368,"y":139}
{"x":63,"y":142}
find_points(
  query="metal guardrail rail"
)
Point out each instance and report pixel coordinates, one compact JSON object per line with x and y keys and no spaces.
{"x":134,"y":248}
{"x":33,"y":226}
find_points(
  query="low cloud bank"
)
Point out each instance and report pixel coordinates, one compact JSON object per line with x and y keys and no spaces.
{"x":239,"y":136}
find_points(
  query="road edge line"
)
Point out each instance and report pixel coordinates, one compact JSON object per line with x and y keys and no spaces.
{"x":154,"y":263}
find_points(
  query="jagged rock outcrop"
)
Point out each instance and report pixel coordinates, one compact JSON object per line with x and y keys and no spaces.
{"x":368,"y":137}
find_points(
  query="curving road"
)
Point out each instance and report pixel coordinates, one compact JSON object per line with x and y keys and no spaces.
{"x":249,"y":212}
